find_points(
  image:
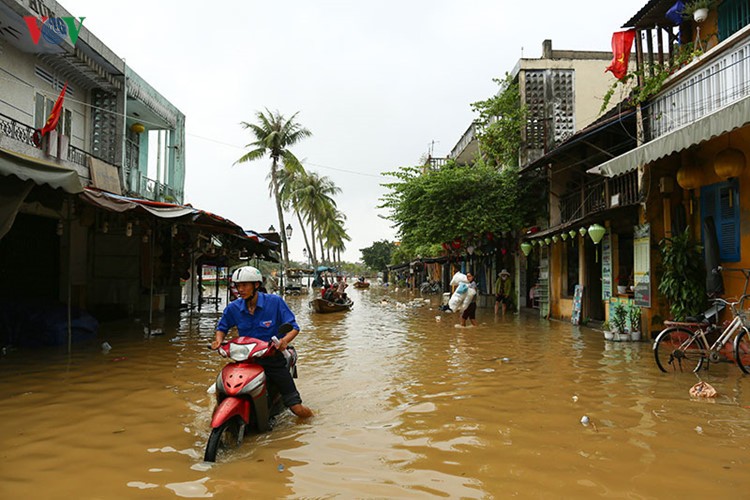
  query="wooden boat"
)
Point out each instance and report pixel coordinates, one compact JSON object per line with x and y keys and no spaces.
{"x":361,"y":284}
{"x":326,"y":306}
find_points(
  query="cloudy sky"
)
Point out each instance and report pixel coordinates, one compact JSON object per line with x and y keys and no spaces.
{"x":378,"y":83}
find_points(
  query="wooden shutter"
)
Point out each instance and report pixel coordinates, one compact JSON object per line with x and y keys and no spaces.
{"x":722,"y":201}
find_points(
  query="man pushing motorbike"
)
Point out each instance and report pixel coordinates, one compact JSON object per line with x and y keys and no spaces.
{"x":259,"y":315}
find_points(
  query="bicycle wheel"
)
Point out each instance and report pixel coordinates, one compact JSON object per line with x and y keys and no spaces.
{"x":677,"y":350}
{"x":742,"y":350}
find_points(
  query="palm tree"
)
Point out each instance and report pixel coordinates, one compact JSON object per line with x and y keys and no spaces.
{"x":274,"y":134}
{"x":315,"y":194}
{"x":291,"y":184}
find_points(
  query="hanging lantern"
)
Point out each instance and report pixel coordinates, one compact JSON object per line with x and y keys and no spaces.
{"x":547,"y":240}
{"x":564,"y":236}
{"x":572,"y":234}
{"x":582,"y":231}
{"x":129,"y":229}
{"x":137,"y":128}
{"x":526,"y":248}
{"x":596,"y":231}
{"x":689,"y":177}
{"x":729,"y":164}
{"x":555,"y":238}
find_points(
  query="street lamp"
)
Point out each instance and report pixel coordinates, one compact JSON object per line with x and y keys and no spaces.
{"x":271,"y":229}
{"x":289,"y":231}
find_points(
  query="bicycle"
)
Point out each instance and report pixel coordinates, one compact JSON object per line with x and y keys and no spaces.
{"x":682,"y":345}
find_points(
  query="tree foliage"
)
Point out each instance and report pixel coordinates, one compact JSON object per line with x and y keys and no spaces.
{"x":500,"y":123}
{"x":454,"y":202}
{"x":378,"y":255}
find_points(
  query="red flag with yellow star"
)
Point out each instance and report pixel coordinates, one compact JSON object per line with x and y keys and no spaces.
{"x":622,"y":41}
{"x":54,"y":116}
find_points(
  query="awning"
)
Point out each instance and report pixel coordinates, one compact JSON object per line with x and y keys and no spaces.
{"x":720,"y":122}
{"x":39,"y":171}
{"x":118,"y":203}
{"x":184,"y":214}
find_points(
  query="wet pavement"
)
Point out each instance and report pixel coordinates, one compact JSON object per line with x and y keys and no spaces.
{"x":407,"y":407}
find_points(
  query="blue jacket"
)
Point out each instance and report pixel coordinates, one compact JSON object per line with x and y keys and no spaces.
{"x":270,"y":312}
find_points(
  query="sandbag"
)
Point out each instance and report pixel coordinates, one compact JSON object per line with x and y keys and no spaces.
{"x":458,"y":278}
{"x":455,"y":301}
{"x":467,"y":298}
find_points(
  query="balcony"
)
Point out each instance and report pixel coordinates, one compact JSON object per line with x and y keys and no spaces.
{"x":717,"y":79}
{"x":467,"y":148}
{"x":144,"y":186}
{"x":600,"y":195}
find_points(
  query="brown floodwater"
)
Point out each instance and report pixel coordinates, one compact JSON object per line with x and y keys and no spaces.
{"x":407,"y":407}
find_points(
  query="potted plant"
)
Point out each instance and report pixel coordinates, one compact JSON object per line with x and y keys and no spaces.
{"x":683,"y":277}
{"x":620,"y":321}
{"x":697,"y":9}
{"x":634,"y":315}
{"x":608,"y":333}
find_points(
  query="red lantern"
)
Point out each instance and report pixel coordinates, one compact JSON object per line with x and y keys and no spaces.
{"x":503,"y":251}
{"x":456,"y":244}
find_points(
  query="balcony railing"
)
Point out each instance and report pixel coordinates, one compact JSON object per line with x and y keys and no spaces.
{"x":16,"y":130}
{"x":600,"y":195}
{"x":718,"y":79}
{"x":157,"y":191}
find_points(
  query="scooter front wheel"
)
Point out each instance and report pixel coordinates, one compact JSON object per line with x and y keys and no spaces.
{"x":224,"y":437}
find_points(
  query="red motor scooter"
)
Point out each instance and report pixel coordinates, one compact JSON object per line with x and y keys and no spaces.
{"x":244,"y":399}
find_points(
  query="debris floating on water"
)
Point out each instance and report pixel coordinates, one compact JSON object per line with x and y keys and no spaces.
{"x":585,"y":420}
{"x":703,"y":390}
{"x":575,"y":399}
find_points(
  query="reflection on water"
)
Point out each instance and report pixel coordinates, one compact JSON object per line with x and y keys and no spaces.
{"x":407,"y":407}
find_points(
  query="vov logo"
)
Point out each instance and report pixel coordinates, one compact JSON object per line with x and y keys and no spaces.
{"x":53,"y":29}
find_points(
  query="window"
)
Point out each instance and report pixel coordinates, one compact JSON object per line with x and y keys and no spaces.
{"x":43,"y":108}
{"x":733,"y":16}
{"x":722,"y":202}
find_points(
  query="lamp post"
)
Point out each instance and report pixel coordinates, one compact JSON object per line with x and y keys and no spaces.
{"x":272,"y":229}
{"x":288,"y":234}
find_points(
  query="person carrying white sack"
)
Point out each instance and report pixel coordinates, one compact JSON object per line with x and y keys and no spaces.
{"x":470,"y":309}
{"x":455,"y":303}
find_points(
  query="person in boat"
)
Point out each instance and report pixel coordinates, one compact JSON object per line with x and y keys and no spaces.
{"x":340,"y":293}
{"x":259,"y":315}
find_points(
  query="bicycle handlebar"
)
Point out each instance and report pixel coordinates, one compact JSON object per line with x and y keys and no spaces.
{"x":731,"y":304}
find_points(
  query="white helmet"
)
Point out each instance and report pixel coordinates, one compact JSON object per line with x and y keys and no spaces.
{"x":247,"y":274}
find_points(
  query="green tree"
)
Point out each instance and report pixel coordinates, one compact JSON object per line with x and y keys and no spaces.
{"x":378,"y":255}
{"x":274,"y":135}
{"x":500,"y":123}
{"x":454,"y":202}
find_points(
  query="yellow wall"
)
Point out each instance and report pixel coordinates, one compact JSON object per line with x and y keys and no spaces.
{"x":655,"y":215}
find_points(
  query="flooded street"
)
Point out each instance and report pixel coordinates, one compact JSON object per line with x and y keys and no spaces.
{"x":407,"y":407}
